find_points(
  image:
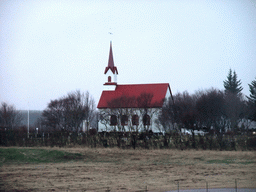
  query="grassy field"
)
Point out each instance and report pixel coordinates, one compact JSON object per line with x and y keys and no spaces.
{"x":86,"y":169}
{"x":25,"y":156}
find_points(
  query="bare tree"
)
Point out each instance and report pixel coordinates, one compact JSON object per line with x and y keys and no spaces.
{"x":53,"y":117}
{"x":186,"y":113}
{"x":235,"y":109}
{"x":167,"y":116}
{"x":185,"y":108}
{"x":104,"y":118}
{"x":9,"y":116}
{"x":211,"y":108}
{"x":70,"y":111}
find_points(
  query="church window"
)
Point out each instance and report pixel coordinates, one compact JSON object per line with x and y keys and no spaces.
{"x":135,"y":120}
{"x":124,"y":120}
{"x":113,"y":120}
{"x":146,"y":119}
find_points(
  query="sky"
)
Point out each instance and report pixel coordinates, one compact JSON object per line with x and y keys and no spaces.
{"x":52,"y":47}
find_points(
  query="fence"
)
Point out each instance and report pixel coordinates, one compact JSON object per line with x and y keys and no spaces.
{"x":128,"y":140}
{"x":235,"y":185}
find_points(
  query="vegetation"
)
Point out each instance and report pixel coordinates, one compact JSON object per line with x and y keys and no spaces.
{"x":124,"y":140}
{"x":23,"y":155}
{"x":252,"y":100}
{"x":224,"y":116}
{"x":232,"y":85}
{"x":213,"y":111}
{"x":9,"y":117}
{"x":132,"y":170}
{"x":69,"y":112}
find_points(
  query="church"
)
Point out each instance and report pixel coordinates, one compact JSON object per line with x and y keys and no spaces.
{"x":130,"y":107}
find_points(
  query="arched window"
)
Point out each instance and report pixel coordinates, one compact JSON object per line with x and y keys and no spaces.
{"x":124,"y":120}
{"x":146,"y":119}
{"x":135,"y":120}
{"x":113,"y":120}
{"x":109,"y":79}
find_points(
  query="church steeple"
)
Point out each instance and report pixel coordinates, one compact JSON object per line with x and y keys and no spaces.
{"x":111,"y":70}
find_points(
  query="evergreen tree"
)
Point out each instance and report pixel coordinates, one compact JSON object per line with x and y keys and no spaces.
{"x":252,"y":100}
{"x":232,"y":85}
{"x":233,"y":100}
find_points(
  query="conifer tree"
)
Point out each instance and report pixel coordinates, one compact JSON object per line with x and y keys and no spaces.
{"x":252,"y":100}
{"x":232,"y":85}
{"x":233,"y":100}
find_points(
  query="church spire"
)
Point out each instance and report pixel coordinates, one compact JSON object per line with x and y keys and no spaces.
{"x":111,"y":74}
{"x":111,"y":65}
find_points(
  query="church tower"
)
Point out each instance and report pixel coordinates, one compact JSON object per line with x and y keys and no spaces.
{"x":111,"y":72}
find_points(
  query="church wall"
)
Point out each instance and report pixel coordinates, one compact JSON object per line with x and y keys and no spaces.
{"x":152,"y":112}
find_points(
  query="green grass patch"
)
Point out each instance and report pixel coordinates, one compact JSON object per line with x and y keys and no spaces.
{"x":247,"y":162}
{"x":16,"y":155}
{"x":199,"y":158}
{"x":223,"y":161}
{"x":229,"y":161}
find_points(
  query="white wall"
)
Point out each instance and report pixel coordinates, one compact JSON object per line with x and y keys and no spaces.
{"x":153,"y":116}
{"x":113,"y":76}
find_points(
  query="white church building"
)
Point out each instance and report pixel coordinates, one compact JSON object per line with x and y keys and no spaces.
{"x":130,"y":107}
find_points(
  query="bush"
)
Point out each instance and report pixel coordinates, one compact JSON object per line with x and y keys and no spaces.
{"x":251,"y":143}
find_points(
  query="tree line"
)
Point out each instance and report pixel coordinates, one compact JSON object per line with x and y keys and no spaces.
{"x":211,"y":110}
{"x":221,"y":111}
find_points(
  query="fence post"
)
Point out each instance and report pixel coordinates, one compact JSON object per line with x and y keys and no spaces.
{"x":178,"y":187}
{"x":206,"y":186}
{"x":236,"y":184}
{"x":146,"y":188}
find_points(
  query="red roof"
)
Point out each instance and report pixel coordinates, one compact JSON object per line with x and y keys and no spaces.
{"x":111,"y":65}
{"x":135,"y":96}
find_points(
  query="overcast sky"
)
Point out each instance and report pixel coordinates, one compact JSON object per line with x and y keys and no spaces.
{"x":49,"y":48}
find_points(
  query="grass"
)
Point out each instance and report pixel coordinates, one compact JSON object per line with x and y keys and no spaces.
{"x":229,"y":161}
{"x":223,"y":161}
{"x":21,"y":156}
{"x":28,"y":155}
{"x":96,"y":169}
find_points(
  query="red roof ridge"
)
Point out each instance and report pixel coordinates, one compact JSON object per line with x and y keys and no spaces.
{"x":144,"y":84}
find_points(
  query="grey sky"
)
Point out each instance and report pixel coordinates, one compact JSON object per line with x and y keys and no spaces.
{"x":49,"y":48}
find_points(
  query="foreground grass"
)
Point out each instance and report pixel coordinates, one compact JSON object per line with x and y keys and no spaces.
{"x":23,"y":155}
{"x":119,"y":156}
{"x":97,"y":169}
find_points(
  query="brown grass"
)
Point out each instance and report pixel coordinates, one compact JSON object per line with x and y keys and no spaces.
{"x":134,"y":170}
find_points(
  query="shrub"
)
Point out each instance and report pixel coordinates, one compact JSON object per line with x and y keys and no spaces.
{"x":251,"y":143}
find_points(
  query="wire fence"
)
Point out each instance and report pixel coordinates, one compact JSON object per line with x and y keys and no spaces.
{"x":236,"y":185}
